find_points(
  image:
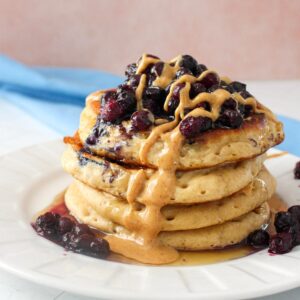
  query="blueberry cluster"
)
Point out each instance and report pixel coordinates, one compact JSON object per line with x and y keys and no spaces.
{"x":287,"y":225}
{"x":71,"y":235}
{"x":118,"y":105}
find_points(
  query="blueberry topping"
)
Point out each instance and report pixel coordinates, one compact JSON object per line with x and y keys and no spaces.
{"x":196,"y":88}
{"x":258,"y":239}
{"x":100,"y":247}
{"x":190,"y":127}
{"x":283,"y":221}
{"x":281,"y":243}
{"x":172,"y":104}
{"x":134,"y":80}
{"x":141,"y":120}
{"x":130,"y":70}
{"x":295,"y":212}
{"x":229,"y":119}
{"x":229,"y":104}
{"x":200,"y":69}
{"x":80,"y":229}
{"x":110,"y":112}
{"x":182,"y":71}
{"x":245,"y":94}
{"x":238,"y":86}
{"x":210,"y":79}
{"x":189,"y":63}
{"x":47,"y":225}
{"x":65,"y":225}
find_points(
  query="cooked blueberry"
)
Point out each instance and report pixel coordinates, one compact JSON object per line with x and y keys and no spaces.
{"x":65,"y":225}
{"x":204,"y":105}
{"x":213,"y":88}
{"x":295,"y":212}
{"x":229,"y":119}
{"x":108,"y":96}
{"x":80,"y":229}
{"x":245,"y":94}
{"x":196,"y":88}
{"x":82,"y":243}
{"x":238,"y":86}
{"x":297,"y":170}
{"x":245,"y":110}
{"x":189,"y":62}
{"x":281,"y":243}
{"x":111,"y":112}
{"x":229,"y":104}
{"x":258,"y":239}
{"x":210,"y":79}
{"x":66,"y":238}
{"x":141,"y":120}
{"x":157,"y":69}
{"x":124,"y":88}
{"x":134,"y":80}
{"x":283,"y":221}
{"x":172,"y":104}
{"x":200,"y":69}
{"x":177,"y":89}
{"x":100,"y":247}
{"x":182,"y":71}
{"x":130,"y":70}
{"x":155,"y":93}
{"x":190,"y":127}
{"x":227,"y":87}
{"x":47,"y":224}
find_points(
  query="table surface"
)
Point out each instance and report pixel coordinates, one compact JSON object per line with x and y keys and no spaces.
{"x":283,"y":97}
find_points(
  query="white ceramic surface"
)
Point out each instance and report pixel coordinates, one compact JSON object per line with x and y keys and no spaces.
{"x":32,"y":177}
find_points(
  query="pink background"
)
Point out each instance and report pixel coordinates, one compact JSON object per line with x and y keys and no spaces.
{"x":251,"y":39}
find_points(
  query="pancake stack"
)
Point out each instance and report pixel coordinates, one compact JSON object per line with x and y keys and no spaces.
{"x":173,"y":159}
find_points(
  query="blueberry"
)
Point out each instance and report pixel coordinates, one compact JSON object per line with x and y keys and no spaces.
{"x":258,"y":239}
{"x":80,"y":229}
{"x":100,"y":247}
{"x":245,"y":94}
{"x":229,"y":119}
{"x":190,"y":127}
{"x":141,"y":120}
{"x":200,"y":69}
{"x":245,"y":110}
{"x":210,"y":79}
{"x":182,"y":71}
{"x":81,"y":243}
{"x":47,"y":224}
{"x":107,"y":96}
{"x":281,"y":243}
{"x":196,"y":88}
{"x":134,"y":80}
{"x":238,"y":86}
{"x":229,"y":104}
{"x":110,"y":112}
{"x":65,"y":225}
{"x":172,"y":104}
{"x":130,"y":70}
{"x":283,"y":221}
{"x":204,"y":105}
{"x":188,"y":62}
{"x":295,"y":212}
{"x":297,"y":170}
{"x":153,"y":99}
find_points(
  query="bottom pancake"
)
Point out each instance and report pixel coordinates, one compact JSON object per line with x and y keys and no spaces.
{"x":217,"y":236}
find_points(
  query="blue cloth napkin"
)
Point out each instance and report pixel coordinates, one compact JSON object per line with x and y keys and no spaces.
{"x":55,"y":96}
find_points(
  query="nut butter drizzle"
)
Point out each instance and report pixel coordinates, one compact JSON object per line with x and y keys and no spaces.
{"x":160,"y":187}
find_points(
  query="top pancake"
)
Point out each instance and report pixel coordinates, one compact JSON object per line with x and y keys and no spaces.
{"x":258,"y":133}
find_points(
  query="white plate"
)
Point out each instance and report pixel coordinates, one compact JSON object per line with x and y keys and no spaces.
{"x":30,"y":178}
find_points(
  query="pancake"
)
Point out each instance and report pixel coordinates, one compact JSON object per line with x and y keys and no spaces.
{"x":175,"y":217}
{"x":217,"y":236}
{"x":191,"y":186}
{"x":218,"y":146}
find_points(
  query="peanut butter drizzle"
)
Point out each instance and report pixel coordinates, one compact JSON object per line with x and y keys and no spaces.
{"x":160,"y":187}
